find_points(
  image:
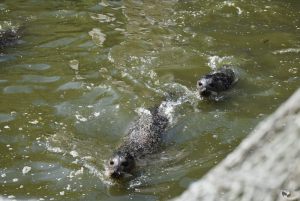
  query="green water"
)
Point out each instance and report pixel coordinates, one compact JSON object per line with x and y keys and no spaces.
{"x":74,"y":82}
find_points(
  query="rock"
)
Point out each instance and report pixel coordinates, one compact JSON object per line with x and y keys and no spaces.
{"x":265,"y":166}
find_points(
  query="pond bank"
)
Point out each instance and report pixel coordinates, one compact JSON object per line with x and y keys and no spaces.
{"x":265,"y":166}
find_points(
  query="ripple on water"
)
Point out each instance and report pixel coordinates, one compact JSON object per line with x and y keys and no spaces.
{"x":288,"y":50}
{"x":97,"y":36}
{"x":84,"y":153}
{"x":102,"y":18}
{"x":58,"y":43}
{"x":48,"y":172}
{"x":2,"y":6}
{"x":11,"y":198}
{"x":34,"y":66}
{"x":6,"y":117}
{"x":4,"y":58}
{"x":17,"y":90}
{"x":40,"y":79}
{"x":215,"y":62}
{"x":70,"y":85}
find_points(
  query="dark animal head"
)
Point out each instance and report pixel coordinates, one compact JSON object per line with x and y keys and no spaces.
{"x":218,"y":81}
{"x":204,"y":87}
{"x":120,"y":164}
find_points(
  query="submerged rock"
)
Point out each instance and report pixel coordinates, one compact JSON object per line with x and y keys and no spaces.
{"x":265,"y":166}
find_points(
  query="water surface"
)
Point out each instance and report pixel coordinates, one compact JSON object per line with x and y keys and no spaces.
{"x":83,"y":69}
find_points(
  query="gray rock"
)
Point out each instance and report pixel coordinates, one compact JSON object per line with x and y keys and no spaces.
{"x":265,"y":166}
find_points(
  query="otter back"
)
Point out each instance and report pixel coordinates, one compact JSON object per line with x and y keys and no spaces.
{"x":145,"y":134}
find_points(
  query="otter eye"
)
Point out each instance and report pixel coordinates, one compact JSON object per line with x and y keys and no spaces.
{"x":199,"y":84}
{"x":125,"y":164}
{"x":111,"y":162}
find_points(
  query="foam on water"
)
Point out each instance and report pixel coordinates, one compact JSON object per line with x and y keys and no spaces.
{"x":97,"y":36}
{"x":57,"y":144}
{"x":215,"y":61}
{"x":288,"y":50}
{"x":177,"y":94}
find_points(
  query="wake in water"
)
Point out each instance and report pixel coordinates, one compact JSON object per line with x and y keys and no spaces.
{"x":84,"y":154}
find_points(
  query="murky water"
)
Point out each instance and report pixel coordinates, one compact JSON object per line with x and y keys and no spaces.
{"x":76,"y":79}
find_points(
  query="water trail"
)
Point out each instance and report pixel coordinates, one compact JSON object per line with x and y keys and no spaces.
{"x":65,"y":145}
{"x":215,"y":61}
{"x":176,"y":95}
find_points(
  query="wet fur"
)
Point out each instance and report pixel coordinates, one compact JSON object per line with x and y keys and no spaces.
{"x":216,"y":82}
{"x":144,"y":137}
{"x":9,"y":37}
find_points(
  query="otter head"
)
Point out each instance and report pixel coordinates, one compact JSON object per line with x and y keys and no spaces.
{"x":120,"y":164}
{"x":204,"y":87}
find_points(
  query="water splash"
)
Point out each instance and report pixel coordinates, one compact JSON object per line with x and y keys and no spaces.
{"x":288,"y":50}
{"x":65,"y":145}
{"x":215,"y":62}
{"x":97,"y":36}
{"x":177,"y":94}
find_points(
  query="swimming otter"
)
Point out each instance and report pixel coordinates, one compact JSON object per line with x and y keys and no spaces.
{"x":144,"y":137}
{"x":8,"y":37}
{"x":215,"y":82}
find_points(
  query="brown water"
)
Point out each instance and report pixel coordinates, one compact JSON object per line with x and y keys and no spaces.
{"x":83,"y":69}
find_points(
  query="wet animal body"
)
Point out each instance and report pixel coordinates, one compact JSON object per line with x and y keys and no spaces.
{"x":8,"y":37}
{"x":144,"y":137}
{"x":216,"y":82}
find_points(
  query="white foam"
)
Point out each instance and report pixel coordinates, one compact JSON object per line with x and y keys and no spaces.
{"x":26,"y":169}
{"x":215,"y":61}
{"x":141,"y":111}
{"x":96,"y":114}
{"x":168,"y":107}
{"x":80,"y":117}
{"x":103,"y":18}
{"x":74,"y":64}
{"x":288,"y":50}
{"x":93,"y":170}
{"x":79,"y":172}
{"x":34,"y":122}
{"x":15,"y":180}
{"x":97,"y":36}
{"x":53,"y":149}
{"x":74,"y":153}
